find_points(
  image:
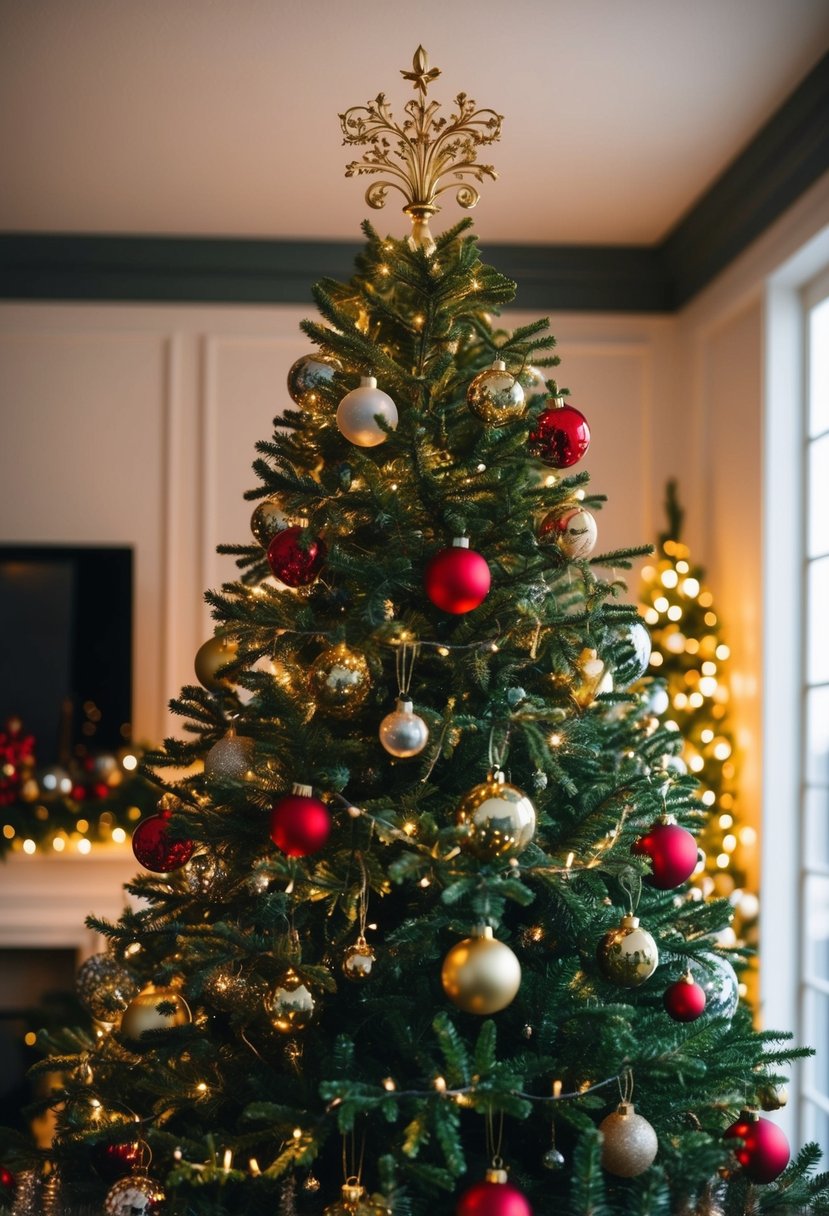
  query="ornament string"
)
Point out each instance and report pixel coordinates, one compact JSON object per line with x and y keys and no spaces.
{"x":498,"y":749}
{"x":404,"y":661}
{"x":352,"y":1164}
{"x":494,"y":1140}
{"x":625,"y":1082}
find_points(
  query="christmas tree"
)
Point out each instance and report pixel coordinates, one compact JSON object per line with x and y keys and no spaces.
{"x":416,"y":936}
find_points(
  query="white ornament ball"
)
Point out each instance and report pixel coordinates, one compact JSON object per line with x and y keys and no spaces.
{"x":629,"y":1143}
{"x":402,"y":732}
{"x":481,"y":974}
{"x":628,"y":954}
{"x":358,"y":411}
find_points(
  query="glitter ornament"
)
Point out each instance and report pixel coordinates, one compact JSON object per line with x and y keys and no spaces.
{"x":495,"y":395}
{"x":214,"y":654}
{"x":267,"y":519}
{"x":627,"y":955}
{"x":495,"y":1196}
{"x":499,"y":817}
{"x":560,"y":436}
{"x":230,"y":758}
{"x":718,"y":979}
{"x":340,"y":681}
{"x":764,"y":1153}
{"x":629,"y":1143}
{"x":684,"y":1001}
{"x":403,"y":733}
{"x":155,"y":849}
{"x":481,"y":974}
{"x":571,"y":528}
{"x":358,"y":960}
{"x":300,"y":823}
{"x":105,"y":987}
{"x":290,"y":1006}
{"x":152,"y":1010}
{"x":203,"y":874}
{"x":228,"y":988}
{"x":359,"y":410}
{"x":457,"y":579}
{"x":672,"y":852}
{"x":354,"y":1201}
{"x":295,"y":557}
{"x":137,"y":1195}
{"x":636,"y":654}
{"x":309,"y":374}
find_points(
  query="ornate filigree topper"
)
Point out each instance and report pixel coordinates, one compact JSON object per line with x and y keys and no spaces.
{"x":429,"y":147}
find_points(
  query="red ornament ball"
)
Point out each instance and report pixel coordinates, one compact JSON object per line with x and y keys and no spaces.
{"x":300,"y":823}
{"x":154,"y":847}
{"x":684,"y":1001}
{"x":114,"y":1161}
{"x":294,"y":557}
{"x":457,"y":579}
{"x":8,"y":1185}
{"x":765,"y":1150}
{"x":493,"y":1198}
{"x":673,"y":854}
{"x":560,"y":436}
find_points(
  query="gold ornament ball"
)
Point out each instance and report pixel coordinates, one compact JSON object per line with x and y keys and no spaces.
{"x":214,"y":654}
{"x":309,"y":374}
{"x":290,"y":1006}
{"x":773,"y":1097}
{"x":203,"y":874}
{"x":267,"y":519}
{"x":495,"y":396}
{"x":481,"y":974}
{"x":230,"y":758}
{"x":499,"y":817}
{"x":629,"y":1143}
{"x":627,"y":955}
{"x":354,"y":1201}
{"x":340,"y":681}
{"x":358,"y":960}
{"x":105,"y":987}
{"x":154,"y":1009}
{"x":135,"y":1195}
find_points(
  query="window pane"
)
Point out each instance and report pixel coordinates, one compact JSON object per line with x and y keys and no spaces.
{"x":819,"y":497}
{"x":817,"y":654}
{"x":816,"y":928}
{"x":817,"y":827}
{"x":815,"y":1125}
{"x":817,"y":736}
{"x":819,"y":369}
{"x":816,"y":1033}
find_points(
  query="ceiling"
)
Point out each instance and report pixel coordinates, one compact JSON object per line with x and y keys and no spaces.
{"x":219,"y":117}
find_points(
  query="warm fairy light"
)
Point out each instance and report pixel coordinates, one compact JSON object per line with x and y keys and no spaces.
{"x":707,"y":735}
{"x":690,"y":587}
{"x":29,"y":846}
{"x":84,"y":846}
{"x":555,"y":740}
{"x":708,"y":686}
{"x":722,"y":652}
{"x":695,"y":700}
{"x":706,"y":599}
{"x":680,"y":700}
{"x":660,"y":603}
{"x":202,"y":1087}
{"x":82,"y":825}
{"x":418,"y":321}
{"x":571,"y":857}
{"x":440,"y":1084}
{"x":494,"y":647}
{"x":669,"y":578}
{"x":692,"y":646}
{"x":723,"y":861}
{"x":674,"y":612}
{"x":425,"y":882}
{"x":394,"y":487}
{"x":696,"y":763}
{"x":388,"y":1084}
{"x":550,"y":480}
{"x":682,"y":567}
{"x":443,"y":651}
{"x":30,"y":1038}
{"x":709,"y":798}
{"x":253,"y":1166}
{"x":384,"y":269}
{"x":8,"y":831}
{"x":656,"y":659}
{"x":58,"y":844}
{"x":708,"y":668}
{"x":130,"y":762}
{"x":726,"y":800}
{"x":132,"y":948}
{"x":729,"y":843}
{"x":748,"y":836}
{"x":480,"y":468}
{"x":579,"y":494}
{"x":710,"y":618}
{"x":722,"y":749}
{"x":651,"y":616}
{"x":409,"y":828}
{"x":119,"y":835}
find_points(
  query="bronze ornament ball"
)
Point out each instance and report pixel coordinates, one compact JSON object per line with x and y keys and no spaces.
{"x":481,"y":974}
{"x":267,"y":519}
{"x":154,"y":1009}
{"x":627,"y":955}
{"x":290,"y":1006}
{"x":340,"y":681}
{"x":214,"y":654}
{"x":629,"y":1143}
{"x":495,"y":395}
{"x":499,"y":817}
{"x":358,"y":960}
{"x":309,"y":374}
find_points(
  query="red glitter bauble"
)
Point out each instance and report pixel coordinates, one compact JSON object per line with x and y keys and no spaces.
{"x":114,"y":1161}
{"x":673,"y":854}
{"x":684,"y":1001}
{"x":457,"y":579}
{"x":294,"y":557}
{"x":8,"y":1185}
{"x":560,"y":436}
{"x":300,"y":824}
{"x":154,"y":847}
{"x":765,"y":1150}
{"x":490,"y":1198}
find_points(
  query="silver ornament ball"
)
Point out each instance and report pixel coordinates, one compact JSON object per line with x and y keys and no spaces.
{"x":718,"y":979}
{"x":136,"y":1195}
{"x":359,"y":410}
{"x":231,"y":758}
{"x":629,"y":1143}
{"x":403,"y":733}
{"x":553,"y":1159}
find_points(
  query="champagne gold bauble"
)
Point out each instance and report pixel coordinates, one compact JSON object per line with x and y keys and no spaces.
{"x":213,"y":655}
{"x":628,"y":954}
{"x":290,"y":1006}
{"x":358,"y":960}
{"x":136,"y":1195}
{"x":629,"y":1143}
{"x":309,"y":374}
{"x":154,"y":1009}
{"x":359,"y":410}
{"x":495,"y":396}
{"x":354,"y":1201}
{"x":481,"y":974}
{"x":403,"y":733}
{"x":230,"y":758}
{"x":105,"y":987}
{"x":267,"y":519}
{"x":499,"y":817}
{"x":340,"y":681}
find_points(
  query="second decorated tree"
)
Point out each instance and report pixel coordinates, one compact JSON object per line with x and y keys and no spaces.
{"x":418,"y":938}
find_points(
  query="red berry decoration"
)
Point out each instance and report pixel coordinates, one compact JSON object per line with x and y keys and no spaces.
{"x":560,"y":436}
{"x":457,"y":579}
{"x":765,"y":1150}
{"x":685,"y":1000}
{"x":495,"y":1196}
{"x":673,"y":854}
{"x":294,"y":557}
{"x":300,"y":823}
{"x":154,"y":847}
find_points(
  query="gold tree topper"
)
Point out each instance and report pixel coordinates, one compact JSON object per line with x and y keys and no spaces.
{"x":429,"y":147}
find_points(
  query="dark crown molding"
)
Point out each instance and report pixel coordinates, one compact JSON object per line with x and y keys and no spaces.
{"x":786,"y":157}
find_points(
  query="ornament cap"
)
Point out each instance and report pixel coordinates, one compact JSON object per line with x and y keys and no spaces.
{"x":498,"y":365}
{"x":496,"y":1175}
{"x":368,"y":382}
{"x":302,"y":791}
{"x":557,"y":403}
{"x":460,"y":542}
{"x":749,"y":1114}
{"x":404,"y":705}
{"x":497,"y":777}
{"x":483,"y":931}
{"x":629,"y":922}
{"x":352,"y":1192}
{"x":625,"y":1108}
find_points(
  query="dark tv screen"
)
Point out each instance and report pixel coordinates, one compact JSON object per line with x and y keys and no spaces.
{"x":66,"y":647}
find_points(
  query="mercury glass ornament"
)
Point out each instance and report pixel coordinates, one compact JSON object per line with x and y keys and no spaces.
{"x":499,"y":817}
{"x":718,"y":980}
{"x":267,"y":519}
{"x":481,"y":974}
{"x":214,"y":654}
{"x":309,"y":374}
{"x":359,"y":410}
{"x":627,"y":955}
{"x":354,"y":1201}
{"x":637,"y":653}
{"x":358,"y":960}
{"x":136,"y":1195}
{"x":495,"y":395}
{"x":290,"y":1006}
{"x":230,"y":758}
{"x":340,"y":681}
{"x":105,"y":987}
{"x":572,"y":529}
{"x":403,"y":733}
{"x":629,"y":1143}
{"x":154,"y":1009}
